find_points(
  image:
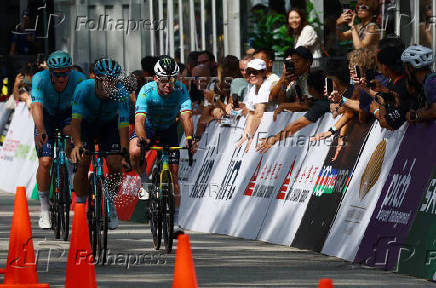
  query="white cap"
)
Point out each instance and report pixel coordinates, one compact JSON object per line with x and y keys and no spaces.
{"x":257,"y":64}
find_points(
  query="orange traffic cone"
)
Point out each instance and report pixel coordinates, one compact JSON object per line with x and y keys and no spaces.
{"x":325,"y":283}
{"x":184,"y":270}
{"x":21,"y":265}
{"x":80,"y":265}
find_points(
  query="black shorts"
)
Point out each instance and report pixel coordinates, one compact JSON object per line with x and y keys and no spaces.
{"x":166,"y":137}
{"x":106,"y":135}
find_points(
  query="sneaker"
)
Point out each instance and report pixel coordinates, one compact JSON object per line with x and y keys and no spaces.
{"x":177,"y":231}
{"x":113,"y":219}
{"x":44,"y":220}
{"x":143,"y":194}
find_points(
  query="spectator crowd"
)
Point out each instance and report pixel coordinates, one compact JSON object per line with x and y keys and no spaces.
{"x":379,"y":80}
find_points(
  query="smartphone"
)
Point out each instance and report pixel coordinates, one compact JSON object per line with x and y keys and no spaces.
{"x":369,"y":75}
{"x":357,"y":71}
{"x":345,"y":7}
{"x":290,"y":66}
{"x":329,"y":85}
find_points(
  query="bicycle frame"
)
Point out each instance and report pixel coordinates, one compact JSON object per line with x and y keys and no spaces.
{"x":60,"y":157}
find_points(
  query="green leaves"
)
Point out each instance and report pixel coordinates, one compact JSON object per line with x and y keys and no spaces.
{"x":271,"y":32}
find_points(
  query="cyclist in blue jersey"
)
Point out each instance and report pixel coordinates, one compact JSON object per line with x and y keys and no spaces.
{"x":101,"y":114}
{"x":52,"y":91}
{"x":157,"y":107}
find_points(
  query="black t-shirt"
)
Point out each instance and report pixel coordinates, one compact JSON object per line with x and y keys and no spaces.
{"x":396,"y":116}
{"x":317,"y":110}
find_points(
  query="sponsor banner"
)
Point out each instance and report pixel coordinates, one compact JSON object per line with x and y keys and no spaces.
{"x":364,"y":190}
{"x":399,"y":200}
{"x":18,"y":160}
{"x":201,"y":193}
{"x":418,"y":253}
{"x":331,"y":183}
{"x":302,"y":161}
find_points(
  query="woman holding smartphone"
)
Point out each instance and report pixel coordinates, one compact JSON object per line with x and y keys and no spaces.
{"x":366,"y":33}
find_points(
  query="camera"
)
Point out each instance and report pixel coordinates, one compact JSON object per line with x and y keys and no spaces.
{"x":369,"y":76}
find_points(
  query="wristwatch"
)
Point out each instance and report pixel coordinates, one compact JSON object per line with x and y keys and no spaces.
{"x":333,"y":130}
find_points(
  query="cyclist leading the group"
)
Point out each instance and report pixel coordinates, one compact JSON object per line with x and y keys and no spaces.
{"x":157,"y":107}
{"x":52,"y":92}
{"x":101,"y":114}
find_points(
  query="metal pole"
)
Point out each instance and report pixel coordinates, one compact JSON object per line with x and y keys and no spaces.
{"x":161,"y":32}
{"x":182,"y":52}
{"x":171,"y":26}
{"x":433,"y":27}
{"x":382,"y":28}
{"x":416,"y":22}
{"x":203,"y":34}
{"x":192,"y":23}
{"x":214,"y":27}
{"x":397,"y":19}
{"x":152,"y":27}
{"x":225,"y":24}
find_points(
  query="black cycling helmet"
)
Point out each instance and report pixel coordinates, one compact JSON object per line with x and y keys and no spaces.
{"x":166,"y":67}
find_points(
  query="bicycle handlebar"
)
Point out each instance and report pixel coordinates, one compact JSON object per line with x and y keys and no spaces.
{"x":144,"y":148}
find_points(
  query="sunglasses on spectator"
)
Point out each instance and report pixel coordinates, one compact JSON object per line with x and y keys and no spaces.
{"x":254,"y":72}
{"x":165,"y":80}
{"x":362,"y":7}
{"x":60,"y":74}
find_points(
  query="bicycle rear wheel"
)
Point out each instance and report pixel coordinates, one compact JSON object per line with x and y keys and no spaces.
{"x":155,"y":213}
{"x":93,"y":217}
{"x":104,"y":222}
{"x":167,"y":202}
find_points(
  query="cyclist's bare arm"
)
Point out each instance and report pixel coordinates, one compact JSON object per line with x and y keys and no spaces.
{"x":75,"y":134}
{"x":139,"y":125}
{"x":186,"y":118}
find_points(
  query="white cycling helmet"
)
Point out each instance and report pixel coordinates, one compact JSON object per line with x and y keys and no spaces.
{"x":166,"y":67}
{"x":418,"y":56}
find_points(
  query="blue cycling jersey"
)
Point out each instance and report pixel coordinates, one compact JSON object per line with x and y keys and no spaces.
{"x":52,"y":101}
{"x":88,"y":106}
{"x":161,"y":111}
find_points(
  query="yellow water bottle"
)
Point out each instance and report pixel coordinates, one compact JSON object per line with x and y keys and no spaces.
{"x":5,"y":91}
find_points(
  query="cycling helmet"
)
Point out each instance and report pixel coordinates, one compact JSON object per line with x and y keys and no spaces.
{"x":166,"y":67}
{"x":59,"y":59}
{"x":107,"y":67}
{"x":418,"y":56}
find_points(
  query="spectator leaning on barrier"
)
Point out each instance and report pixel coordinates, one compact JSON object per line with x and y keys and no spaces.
{"x":342,"y":93}
{"x":292,"y":85}
{"x":391,"y":102}
{"x":365,"y":34}
{"x":422,"y":82}
{"x":256,"y":99}
{"x":302,"y":32}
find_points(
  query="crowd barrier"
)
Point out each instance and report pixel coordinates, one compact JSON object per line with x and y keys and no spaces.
{"x":374,"y":205}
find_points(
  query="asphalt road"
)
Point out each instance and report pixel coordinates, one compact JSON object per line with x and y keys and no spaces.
{"x":220,"y":261}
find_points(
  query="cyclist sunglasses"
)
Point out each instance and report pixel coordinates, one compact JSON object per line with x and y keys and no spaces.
{"x":60,"y":74}
{"x":165,"y":80}
{"x":362,"y":7}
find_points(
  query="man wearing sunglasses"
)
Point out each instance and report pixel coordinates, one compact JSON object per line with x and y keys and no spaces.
{"x":158,"y":104}
{"x":51,"y":94}
{"x":101,"y":115}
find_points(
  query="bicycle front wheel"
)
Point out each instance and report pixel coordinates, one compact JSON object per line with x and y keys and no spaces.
{"x":64,"y":203}
{"x":54,"y":207}
{"x":155,"y":213}
{"x":167,"y":201}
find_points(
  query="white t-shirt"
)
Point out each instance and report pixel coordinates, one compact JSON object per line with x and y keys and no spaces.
{"x":262,"y":96}
{"x":309,"y":38}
